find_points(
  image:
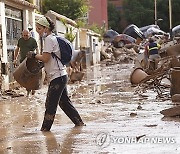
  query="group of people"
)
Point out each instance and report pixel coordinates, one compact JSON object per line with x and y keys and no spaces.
{"x":55,"y":71}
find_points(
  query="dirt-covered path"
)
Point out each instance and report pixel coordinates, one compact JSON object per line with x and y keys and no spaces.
{"x":117,"y":119}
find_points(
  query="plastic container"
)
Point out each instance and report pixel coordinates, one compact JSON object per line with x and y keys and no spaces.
{"x":137,"y":76}
{"x":29,"y":74}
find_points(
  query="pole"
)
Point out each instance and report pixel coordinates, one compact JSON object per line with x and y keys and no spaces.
{"x":155,"y":12}
{"x":170,"y":18}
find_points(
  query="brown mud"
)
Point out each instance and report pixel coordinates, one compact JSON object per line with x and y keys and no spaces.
{"x":117,"y":119}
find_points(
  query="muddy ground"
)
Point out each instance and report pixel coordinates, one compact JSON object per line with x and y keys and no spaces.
{"x":117,"y":119}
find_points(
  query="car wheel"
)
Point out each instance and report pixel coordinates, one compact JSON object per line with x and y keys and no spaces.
{"x":121,"y":44}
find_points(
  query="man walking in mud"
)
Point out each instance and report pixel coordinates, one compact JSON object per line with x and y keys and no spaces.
{"x":25,"y":44}
{"x":153,"y":54}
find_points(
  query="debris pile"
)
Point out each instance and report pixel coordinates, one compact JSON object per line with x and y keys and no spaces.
{"x":119,"y":55}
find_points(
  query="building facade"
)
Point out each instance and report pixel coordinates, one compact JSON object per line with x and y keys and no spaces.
{"x":15,"y":15}
{"x":98,"y":13}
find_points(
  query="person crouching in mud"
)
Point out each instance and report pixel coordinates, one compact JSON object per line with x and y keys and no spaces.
{"x":57,"y":75}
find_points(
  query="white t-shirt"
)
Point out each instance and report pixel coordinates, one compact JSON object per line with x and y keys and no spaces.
{"x":53,"y":67}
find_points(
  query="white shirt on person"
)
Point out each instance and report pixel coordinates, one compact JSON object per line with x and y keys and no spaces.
{"x":53,"y":67}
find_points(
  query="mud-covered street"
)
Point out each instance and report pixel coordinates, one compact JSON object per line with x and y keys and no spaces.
{"x":117,"y":119}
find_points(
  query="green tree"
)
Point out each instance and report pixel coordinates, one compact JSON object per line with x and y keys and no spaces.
{"x":113,"y":18}
{"x":141,"y":12}
{"x":163,"y":12}
{"x":99,"y":30}
{"x":72,"y":9}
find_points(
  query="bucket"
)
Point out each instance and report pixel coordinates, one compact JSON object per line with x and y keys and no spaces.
{"x":137,"y":76}
{"x":29,"y":74}
{"x":175,"y":81}
{"x":76,"y":76}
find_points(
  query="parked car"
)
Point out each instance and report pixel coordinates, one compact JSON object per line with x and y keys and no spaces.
{"x":109,"y":35}
{"x":133,"y":31}
{"x":153,"y":31}
{"x":176,"y":31}
{"x":145,"y":29}
{"x":120,"y":40}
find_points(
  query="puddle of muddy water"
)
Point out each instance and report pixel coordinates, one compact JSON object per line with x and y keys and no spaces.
{"x":116,"y":118}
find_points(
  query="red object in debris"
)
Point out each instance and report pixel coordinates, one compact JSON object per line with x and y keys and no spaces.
{"x":122,"y":39}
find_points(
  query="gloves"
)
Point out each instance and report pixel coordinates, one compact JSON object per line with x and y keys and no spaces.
{"x":31,"y":54}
